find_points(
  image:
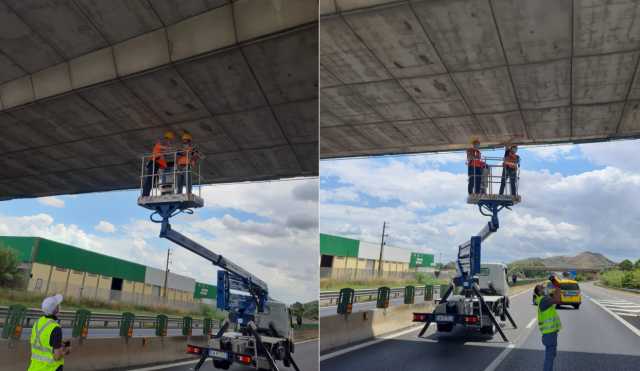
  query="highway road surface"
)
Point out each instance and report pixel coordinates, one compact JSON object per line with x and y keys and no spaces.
{"x":604,"y":334}
{"x":306,"y":356}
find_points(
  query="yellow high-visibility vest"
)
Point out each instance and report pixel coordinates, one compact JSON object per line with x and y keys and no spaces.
{"x":548,"y":319}
{"x":41,"y":350}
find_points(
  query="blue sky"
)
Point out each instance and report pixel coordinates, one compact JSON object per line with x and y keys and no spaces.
{"x":575,"y":198}
{"x":270,"y":228}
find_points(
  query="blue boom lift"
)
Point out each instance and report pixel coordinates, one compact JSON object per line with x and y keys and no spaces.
{"x":481,"y":291}
{"x":262,"y":325}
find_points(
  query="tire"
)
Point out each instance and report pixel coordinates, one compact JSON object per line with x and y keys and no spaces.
{"x":576,"y":306}
{"x":224,"y":365}
{"x":444,"y":327}
{"x":489,"y":330}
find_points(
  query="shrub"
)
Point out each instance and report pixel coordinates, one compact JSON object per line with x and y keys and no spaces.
{"x":613,"y":278}
{"x":9,"y":273}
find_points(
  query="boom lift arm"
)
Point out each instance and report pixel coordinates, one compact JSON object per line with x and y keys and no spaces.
{"x":240,"y":277}
{"x":160,"y":195}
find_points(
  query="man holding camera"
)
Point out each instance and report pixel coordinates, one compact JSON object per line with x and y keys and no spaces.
{"x":548,"y":320}
{"x":47,"y":348}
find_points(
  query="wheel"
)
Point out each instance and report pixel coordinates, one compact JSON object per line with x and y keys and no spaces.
{"x":576,"y":306}
{"x":489,"y":330}
{"x":444,"y":327}
{"x":224,"y":365}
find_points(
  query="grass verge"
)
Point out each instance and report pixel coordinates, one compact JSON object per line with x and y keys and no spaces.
{"x":34,"y":300}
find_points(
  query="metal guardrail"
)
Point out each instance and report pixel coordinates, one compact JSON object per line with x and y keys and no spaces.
{"x":330,"y":298}
{"x":102,"y":320}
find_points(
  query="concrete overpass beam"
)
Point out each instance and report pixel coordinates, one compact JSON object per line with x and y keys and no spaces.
{"x":212,"y":30}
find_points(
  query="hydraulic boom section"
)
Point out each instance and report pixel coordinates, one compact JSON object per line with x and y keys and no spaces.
{"x":232,"y":278}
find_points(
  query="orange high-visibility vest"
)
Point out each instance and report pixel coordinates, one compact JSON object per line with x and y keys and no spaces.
{"x":157,"y":155}
{"x":510,"y":160}
{"x":473,"y":158}
{"x":186,"y":155}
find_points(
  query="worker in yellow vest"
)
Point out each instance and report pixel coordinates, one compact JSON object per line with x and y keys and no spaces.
{"x":548,"y":320}
{"x":47,"y":348}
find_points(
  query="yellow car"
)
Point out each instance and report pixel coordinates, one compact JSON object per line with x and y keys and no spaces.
{"x":569,"y":293}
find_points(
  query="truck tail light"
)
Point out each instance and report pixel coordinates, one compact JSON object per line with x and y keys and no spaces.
{"x":471,"y":319}
{"x":419,"y":317}
{"x":244,"y":359}
{"x":193,"y":350}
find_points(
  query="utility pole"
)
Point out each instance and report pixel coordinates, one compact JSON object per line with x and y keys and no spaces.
{"x":382,"y":243}
{"x":166,"y":274}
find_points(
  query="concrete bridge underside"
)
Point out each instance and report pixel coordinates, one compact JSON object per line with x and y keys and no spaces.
{"x":421,"y":76}
{"x":87,"y":86}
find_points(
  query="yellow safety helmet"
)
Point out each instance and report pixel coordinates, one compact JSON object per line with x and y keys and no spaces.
{"x":169,"y":135}
{"x":475,"y":140}
{"x":186,"y":135}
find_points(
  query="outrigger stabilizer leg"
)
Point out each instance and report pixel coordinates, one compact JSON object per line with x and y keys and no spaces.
{"x":442,"y":300}
{"x":513,"y":323}
{"x":485,"y":307}
{"x":251,"y":327}
{"x":203,"y":355}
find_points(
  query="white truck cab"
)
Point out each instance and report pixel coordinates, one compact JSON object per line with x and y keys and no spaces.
{"x":492,"y":279}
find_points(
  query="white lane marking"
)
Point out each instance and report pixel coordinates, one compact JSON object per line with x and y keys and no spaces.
{"x":496,"y":362}
{"x":619,"y":302}
{"x":305,"y":341}
{"x":522,"y":337}
{"x":533,"y":320}
{"x":620,"y":319}
{"x":518,"y":294}
{"x":368,"y":343}
{"x":621,"y":306}
{"x":162,"y":367}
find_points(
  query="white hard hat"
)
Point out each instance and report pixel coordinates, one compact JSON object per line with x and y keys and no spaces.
{"x":50,"y":304}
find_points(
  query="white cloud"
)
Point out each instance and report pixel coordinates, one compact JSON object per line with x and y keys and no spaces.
{"x":281,"y":246}
{"x":560,"y":214}
{"x":621,"y":154}
{"x":105,"y":226}
{"x":52,"y":201}
{"x":552,"y":153}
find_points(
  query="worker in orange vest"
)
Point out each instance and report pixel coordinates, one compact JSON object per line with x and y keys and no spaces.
{"x":158,"y":161}
{"x":475,"y":165}
{"x":187,"y":157}
{"x":510,"y":165}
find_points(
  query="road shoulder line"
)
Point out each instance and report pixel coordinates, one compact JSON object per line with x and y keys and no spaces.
{"x":368,"y":343}
{"x":620,"y":319}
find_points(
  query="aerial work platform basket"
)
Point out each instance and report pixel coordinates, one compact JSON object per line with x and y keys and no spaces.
{"x":177,"y":185}
{"x":498,"y":184}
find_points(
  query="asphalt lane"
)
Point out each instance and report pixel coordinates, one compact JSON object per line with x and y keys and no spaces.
{"x":591,"y":339}
{"x":306,"y":356}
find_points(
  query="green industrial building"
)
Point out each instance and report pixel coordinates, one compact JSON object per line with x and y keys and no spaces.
{"x":55,"y":267}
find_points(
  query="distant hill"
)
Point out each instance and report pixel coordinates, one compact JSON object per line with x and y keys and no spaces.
{"x":585,"y":259}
